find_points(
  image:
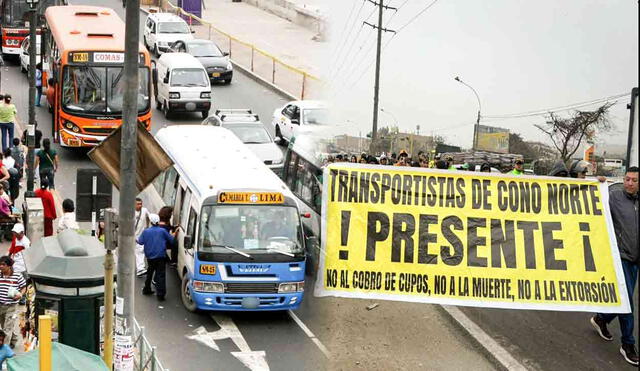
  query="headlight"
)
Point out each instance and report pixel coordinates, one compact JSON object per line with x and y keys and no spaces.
{"x":287,"y":287}
{"x":205,"y":94}
{"x":174,"y":95}
{"x":229,"y":65}
{"x":71,"y":126}
{"x":204,"y":286}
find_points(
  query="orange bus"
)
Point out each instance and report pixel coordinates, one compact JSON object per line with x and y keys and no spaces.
{"x":83,"y":74}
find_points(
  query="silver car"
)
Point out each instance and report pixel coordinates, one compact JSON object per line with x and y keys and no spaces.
{"x":247,"y":126}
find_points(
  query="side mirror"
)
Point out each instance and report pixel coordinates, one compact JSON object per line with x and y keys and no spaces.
{"x":295,"y":121}
{"x":193,"y":31}
{"x":306,"y":215}
{"x":154,"y":75}
{"x":225,"y":54}
{"x":187,"y":242}
{"x":166,"y":79}
{"x":277,"y":140}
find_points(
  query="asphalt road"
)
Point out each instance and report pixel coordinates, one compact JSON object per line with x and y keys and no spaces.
{"x":168,"y":325}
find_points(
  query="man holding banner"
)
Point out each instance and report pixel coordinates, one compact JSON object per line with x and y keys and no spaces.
{"x":624,"y":214}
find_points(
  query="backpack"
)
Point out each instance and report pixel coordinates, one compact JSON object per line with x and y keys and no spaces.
{"x":18,"y":155}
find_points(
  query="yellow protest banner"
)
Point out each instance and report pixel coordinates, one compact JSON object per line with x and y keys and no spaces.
{"x":469,"y":238}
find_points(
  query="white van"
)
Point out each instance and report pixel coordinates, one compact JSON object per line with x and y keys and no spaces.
{"x":163,"y":29}
{"x":181,"y":84}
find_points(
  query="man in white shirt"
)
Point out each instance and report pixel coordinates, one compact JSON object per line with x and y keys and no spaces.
{"x":141,"y":222}
{"x":68,"y":220}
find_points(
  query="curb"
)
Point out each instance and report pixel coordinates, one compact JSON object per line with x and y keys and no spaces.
{"x":254,"y":77}
{"x":491,"y":349}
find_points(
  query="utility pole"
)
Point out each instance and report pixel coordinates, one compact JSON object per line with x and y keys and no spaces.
{"x":110,"y":244}
{"x":31,"y":129}
{"x":376,"y":87}
{"x":128,"y":189}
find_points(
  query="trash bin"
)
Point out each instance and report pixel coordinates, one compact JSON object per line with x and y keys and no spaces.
{"x":68,"y":274}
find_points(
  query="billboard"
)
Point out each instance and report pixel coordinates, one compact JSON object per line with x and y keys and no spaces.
{"x":492,"y":139}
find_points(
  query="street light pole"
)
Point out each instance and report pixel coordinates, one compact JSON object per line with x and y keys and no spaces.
{"x":476,"y":127}
{"x":31,"y":129}
{"x":390,"y":114}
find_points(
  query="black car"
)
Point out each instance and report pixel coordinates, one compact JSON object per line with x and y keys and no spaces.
{"x":217,"y":63}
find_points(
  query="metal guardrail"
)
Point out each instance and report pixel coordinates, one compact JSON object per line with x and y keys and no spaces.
{"x":283,"y":76}
{"x":145,"y":353}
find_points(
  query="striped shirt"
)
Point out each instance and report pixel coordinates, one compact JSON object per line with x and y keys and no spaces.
{"x":16,"y":280}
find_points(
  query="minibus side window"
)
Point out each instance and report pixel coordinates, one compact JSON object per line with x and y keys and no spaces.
{"x":170,"y":185}
{"x":191,"y":226}
{"x":291,"y":171}
{"x":158,"y":182}
{"x":186,"y":198}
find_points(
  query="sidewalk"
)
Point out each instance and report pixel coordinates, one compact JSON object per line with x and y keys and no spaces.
{"x":277,"y":51}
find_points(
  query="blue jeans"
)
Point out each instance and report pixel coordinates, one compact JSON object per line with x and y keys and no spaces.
{"x":38,"y":95}
{"x":48,"y":173}
{"x":7,"y":134}
{"x":630,"y":271}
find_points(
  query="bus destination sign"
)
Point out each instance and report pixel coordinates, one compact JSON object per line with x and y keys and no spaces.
{"x":250,"y":198}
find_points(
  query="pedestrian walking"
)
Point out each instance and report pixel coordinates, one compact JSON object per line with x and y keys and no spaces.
{"x":155,"y":239}
{"x":12,"y":288}
{"x":47,"y":160}
{"x":141,"y":217}
{"x":49,"y":206}
{"x":38,"y":83}
{"x":8,"y":114}
{"x":68,"y":219}
{"x":18,"y":154}
{"x":624,"y":214}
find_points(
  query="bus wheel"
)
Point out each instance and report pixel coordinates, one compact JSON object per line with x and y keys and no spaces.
{"x":186,"y":295}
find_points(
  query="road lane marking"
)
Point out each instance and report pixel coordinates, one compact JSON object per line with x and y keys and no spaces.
{"x":310,"y":334}
{"x":492,"y":347}
{"x":253,"y":360}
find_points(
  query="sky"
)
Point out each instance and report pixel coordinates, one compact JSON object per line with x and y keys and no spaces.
{"x":518,"y":55}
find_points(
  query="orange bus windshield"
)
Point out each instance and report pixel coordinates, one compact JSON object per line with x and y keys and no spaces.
{"x":93,"y":89}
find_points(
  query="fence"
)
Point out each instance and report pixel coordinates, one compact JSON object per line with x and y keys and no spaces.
{"x":145,"y":357}
{"x":291,"y":80}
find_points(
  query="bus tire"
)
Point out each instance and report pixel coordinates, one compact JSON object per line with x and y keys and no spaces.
{"x":185,"y":294}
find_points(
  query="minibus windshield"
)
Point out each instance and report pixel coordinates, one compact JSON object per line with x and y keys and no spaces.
{"x":250,"y":230}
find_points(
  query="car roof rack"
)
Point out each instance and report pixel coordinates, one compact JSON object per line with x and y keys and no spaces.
{"x":224,"y":111}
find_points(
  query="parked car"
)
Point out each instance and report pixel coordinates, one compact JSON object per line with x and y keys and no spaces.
{"x":216,"y":62}
{"x":247,"y":126}
{"x":294,"y":115}
{"x":24,"y":53}
{"x":162,"y":30}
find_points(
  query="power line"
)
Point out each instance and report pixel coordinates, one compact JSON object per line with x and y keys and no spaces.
{"x":417,"y":15}
{"x":539,"y":112}
{"x":346,"y":37}
{"x":365,"y":57}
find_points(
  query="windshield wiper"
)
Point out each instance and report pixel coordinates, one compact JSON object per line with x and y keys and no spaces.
{"x":235,"y":251}
{"x":281,"y":252}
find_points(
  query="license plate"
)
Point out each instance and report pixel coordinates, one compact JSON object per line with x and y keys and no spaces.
{"x":215,"y":74}
{"x":207,"y":269}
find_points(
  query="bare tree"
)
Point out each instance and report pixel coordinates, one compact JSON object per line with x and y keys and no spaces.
{"x":567,"y":134}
